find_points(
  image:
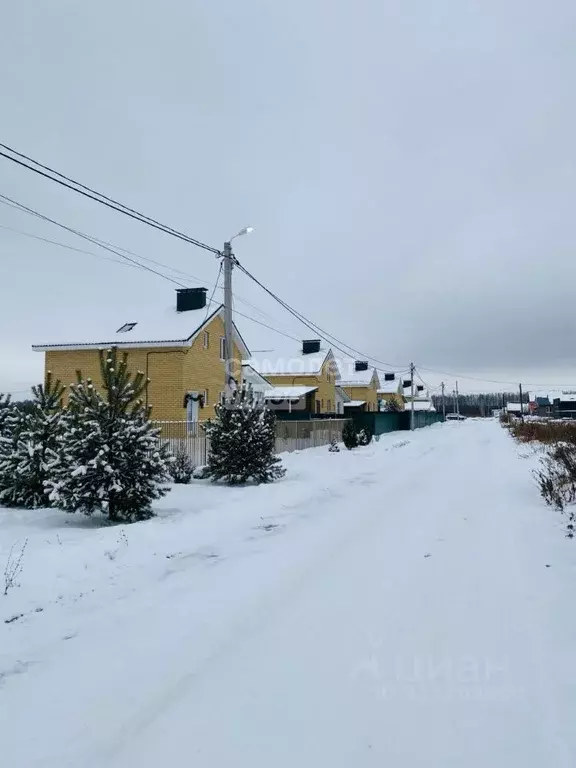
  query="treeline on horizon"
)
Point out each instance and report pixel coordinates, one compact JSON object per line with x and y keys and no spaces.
{"x":477,"y":404}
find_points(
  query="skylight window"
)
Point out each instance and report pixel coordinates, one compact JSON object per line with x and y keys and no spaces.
{"x":126,"y":327}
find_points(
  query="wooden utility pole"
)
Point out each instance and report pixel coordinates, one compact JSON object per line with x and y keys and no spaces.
{"x":412,"y":369}
{"x":443,"y":403}
{"x":521,"y":404}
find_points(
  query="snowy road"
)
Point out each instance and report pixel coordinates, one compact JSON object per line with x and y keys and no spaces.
{"x":411,"y":607}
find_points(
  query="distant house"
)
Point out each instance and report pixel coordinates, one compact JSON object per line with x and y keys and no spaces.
{"x":558,"y":404}
{"x":518,"y":409}
{"x":360,"y":382}
{"x":281,"y":398}
{"x":311,"y":366}
{"x":564,"y":406}
{"x":421,"y":405}
{"x":390,"y":389}
{"x":181,"y":349}
{"x":540,"y":404}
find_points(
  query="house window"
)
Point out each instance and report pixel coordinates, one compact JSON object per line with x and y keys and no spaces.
{"x":126,"y":327}
{"x":318,"y":406}
{"x":206,"y":339}
{"x":222,"y":348}
{"x":205,"y":396}
{"x":329,"y":406}
{"x":322,"y":405}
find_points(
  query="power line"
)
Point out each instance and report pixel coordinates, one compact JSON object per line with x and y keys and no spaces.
{"x":98,"y":197}
{"x":213,"y":290}
{"x":69,"y":247}
{"x":89,"y":239}
{"x":115,"y":248}
{"x":332,"y":340}
{"x":492,"y":381}
{"x":95,"y":241}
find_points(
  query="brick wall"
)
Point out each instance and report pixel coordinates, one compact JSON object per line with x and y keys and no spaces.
{"x":172,"y":371}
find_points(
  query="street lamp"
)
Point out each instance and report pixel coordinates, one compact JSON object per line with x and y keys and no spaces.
{"x":228,"y":324}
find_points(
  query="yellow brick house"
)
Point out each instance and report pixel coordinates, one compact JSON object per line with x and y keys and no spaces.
{"x":360,"y":382}
{"x":309,"y":372}
{"x":180,"y":349}
{"x":391,"y":388}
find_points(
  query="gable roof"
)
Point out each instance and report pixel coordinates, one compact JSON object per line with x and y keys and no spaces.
{"x":390,"y":387}
{"x":290,"y":363}
{"x":350,"y":377}
{"x":166,"y":328}
{"x":358,"y":378}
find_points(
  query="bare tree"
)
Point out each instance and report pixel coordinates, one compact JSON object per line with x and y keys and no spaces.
{"x":13,"y":567}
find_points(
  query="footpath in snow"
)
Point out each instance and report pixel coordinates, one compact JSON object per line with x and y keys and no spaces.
{"x":408,"y":604}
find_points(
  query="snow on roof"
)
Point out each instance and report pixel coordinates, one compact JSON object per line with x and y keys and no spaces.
{"x":289,"y":363}
{"x":388,"y":387}
{"x":421,"y":405}
{"x":146,"y":327}
{"x":354,"y":403}
{"x":287,"y":393}
{"x":350,"y":377}
{"x":255,"y":378}
{"x":516,"y":408}
{"x":567,"y":397}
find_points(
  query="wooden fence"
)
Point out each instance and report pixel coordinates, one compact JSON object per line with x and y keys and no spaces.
{"x":290,"y":436}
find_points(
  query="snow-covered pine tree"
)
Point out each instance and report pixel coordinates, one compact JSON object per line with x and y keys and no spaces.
{"x":349,"y":435}
{"x":243,"y":442}
{"x":181,"y":469}
{"x":333,"y":448}
{"x":29,"y":454}
{"x":112,"y":459}
{"x":364,"y":436}
{"x":5,"y":411}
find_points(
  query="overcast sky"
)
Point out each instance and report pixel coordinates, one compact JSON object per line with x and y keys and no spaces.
{"x":409,"y":168}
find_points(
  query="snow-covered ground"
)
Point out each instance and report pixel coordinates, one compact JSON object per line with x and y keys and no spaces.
{"x":408,"y":604}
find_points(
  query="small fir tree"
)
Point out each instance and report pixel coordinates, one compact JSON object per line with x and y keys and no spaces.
{"x":243,"y":442}
{"x":111,"y":457}
{"x":393,"y":405}
{"x":364,"y":436}
{"x":349,"y":435}
{"x":333,"y":448}
{"x":181,"y":469}
{"x":29,"y":455}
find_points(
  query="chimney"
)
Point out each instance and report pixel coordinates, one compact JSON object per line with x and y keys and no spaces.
{"x":389,"y":377}
{"x":420,"y":388}
{"x":407,"y":383}
{"x":310,"y":346}
{"x":190,"y":298}
{"x":361,"y":365}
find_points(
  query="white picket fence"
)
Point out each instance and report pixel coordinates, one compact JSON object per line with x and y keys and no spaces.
{"x":290,"y":436}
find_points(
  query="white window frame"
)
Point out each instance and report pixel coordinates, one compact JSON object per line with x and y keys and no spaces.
{"x":222,"y":347}
{"x":206,"y":339}
{"x":205,"y":394}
